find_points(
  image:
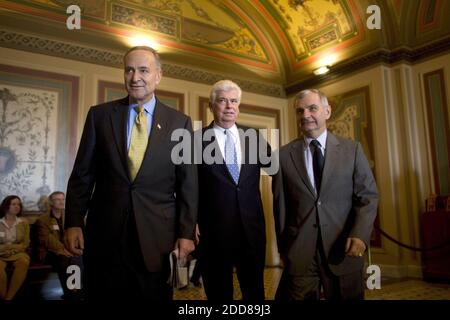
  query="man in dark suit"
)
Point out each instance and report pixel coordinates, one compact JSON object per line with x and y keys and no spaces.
{"x":140,"y":204}
{"x":231,"y":218}
{"x":325,"y":202}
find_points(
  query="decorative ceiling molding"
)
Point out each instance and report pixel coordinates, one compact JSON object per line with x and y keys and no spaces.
{"x":378,"y":57}
{"x":313,"y":25}
{"x":273,"y":43}
{"x":61,"y":49}
{"x":305,"y":29}
{"x":58,"y":48}
{"x":217,"y":30}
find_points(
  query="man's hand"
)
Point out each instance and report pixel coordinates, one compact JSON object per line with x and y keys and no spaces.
{"x":354,"y":247}
{"x":17,"y":247}
{"x":74,"y":241}
{"x":7,"y":252}
{"x":185,"y":247}
{"x":65,"y":252}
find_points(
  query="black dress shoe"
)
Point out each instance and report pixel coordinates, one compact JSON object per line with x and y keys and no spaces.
{"x":197,"y":283}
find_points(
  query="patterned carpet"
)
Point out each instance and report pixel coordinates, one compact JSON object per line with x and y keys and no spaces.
{"x":271,"y":279}
{"x":390,"y":289}
{"x":410,"y":290}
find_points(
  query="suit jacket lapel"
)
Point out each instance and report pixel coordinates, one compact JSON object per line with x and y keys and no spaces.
{"x":297,"y":156}
{"x":159,"y":129}
{"x":119,"y":118}
{"x":244,"y":154}
{"x":331,"y":151}
{"x":223,"y":167}
{"x":159,"y":126}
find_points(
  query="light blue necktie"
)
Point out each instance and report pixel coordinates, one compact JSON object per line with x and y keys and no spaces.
{"x":231,"y":157}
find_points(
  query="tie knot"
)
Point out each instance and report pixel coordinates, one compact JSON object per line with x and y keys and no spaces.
{"x":140,"y":118}
{"x":315,"y":143}
{"x":139,"y":109}
{"x":228,"y":134}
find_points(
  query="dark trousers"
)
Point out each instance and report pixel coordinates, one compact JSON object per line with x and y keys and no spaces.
{"x":217,"y":273}
{"x":307,"y":286}
{"x":126,"y":277}
{"x":60,"y":264}
{"x":196,"y":273}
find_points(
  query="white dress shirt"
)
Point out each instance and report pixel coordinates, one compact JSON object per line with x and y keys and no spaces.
{"x":9,"y":233}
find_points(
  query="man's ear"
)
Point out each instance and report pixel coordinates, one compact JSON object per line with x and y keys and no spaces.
{"x":328,"y":111}
{"x":158,"y":76}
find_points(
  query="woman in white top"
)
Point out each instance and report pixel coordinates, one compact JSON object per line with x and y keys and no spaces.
{"x":14,"y":242}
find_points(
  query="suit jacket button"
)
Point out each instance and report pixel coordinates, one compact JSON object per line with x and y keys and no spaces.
{"x":319,"y":203}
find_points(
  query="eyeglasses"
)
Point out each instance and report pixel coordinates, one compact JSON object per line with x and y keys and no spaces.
{"x":224,"y":101}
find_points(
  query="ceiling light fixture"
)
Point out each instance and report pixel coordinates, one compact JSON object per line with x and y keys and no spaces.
{"x":321,"y":70}
{"x":143,"y":40}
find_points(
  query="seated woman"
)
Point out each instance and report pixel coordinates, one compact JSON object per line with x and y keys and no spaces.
{"x":14,"y":242}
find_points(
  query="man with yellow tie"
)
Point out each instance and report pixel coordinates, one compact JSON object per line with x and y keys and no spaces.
{"x":140,"y":204}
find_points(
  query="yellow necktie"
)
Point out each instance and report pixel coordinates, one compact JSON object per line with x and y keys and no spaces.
{"x":139,"y":141}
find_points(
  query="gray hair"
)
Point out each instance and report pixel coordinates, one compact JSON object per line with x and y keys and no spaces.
{"x":145,"y":48}
{"x":224,"y":85}
{"x":304,"y":93}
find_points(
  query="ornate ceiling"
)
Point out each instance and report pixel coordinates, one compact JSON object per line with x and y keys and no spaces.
{"x":262,"y":41}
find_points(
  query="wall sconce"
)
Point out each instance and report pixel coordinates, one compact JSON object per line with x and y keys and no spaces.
{"x":321,"y":70}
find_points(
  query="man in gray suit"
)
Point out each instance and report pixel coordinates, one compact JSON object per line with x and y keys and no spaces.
{"x":325,"y":202}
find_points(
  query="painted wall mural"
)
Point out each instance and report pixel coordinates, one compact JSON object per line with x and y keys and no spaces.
{"x":27,"y":145}
{"x":37,"y":144}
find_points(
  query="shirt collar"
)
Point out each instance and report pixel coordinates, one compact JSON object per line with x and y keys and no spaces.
{"x":53,"y":216}
{"x":148,"y":106}
{"x":233,"y":129}
{"x":3,"y":220}
{"x":322,"y":140}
